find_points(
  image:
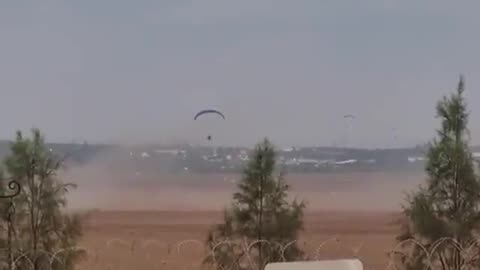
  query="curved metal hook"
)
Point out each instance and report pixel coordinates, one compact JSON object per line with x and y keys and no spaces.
{"x":12,"y":185}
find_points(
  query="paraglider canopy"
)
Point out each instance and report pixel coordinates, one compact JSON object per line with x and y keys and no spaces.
{"x":209,"y":111}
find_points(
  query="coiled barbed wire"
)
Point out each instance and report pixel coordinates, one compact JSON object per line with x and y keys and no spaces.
{"x":246,"y":251}
{"x":246,"y":254}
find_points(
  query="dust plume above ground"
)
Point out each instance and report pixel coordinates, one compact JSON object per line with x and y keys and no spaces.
{"x":110,"y":182}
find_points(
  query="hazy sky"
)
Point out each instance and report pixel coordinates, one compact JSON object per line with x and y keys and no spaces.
{"x":137,"y":71}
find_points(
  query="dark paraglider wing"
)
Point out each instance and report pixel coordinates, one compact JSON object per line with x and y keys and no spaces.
{"x":200,"y":113}
{"x":348,"y":116}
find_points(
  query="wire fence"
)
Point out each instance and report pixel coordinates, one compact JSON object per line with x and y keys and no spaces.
{"x":192,"y":253}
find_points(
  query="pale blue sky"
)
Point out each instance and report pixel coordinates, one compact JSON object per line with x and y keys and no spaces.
{"x":137,"y":71}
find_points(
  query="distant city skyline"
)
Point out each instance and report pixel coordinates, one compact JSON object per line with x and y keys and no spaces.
{"x":137,"y":71}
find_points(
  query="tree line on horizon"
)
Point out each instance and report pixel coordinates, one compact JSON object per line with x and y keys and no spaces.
{"x":35,"y":223}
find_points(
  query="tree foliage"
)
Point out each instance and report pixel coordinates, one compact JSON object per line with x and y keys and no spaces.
{"x":39,"y":226}
{"x":260,"y":213}
{"x":448,"y":205}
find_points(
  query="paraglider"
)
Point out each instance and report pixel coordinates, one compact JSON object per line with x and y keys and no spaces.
{"x":209,"y":111}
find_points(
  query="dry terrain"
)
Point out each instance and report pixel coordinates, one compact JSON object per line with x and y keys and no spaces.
{"x":150,"y":239}
{"x":141,"y":222}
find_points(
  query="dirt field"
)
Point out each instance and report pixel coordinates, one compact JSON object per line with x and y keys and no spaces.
{"x":150,"y":239}
{"x":143,"y":220}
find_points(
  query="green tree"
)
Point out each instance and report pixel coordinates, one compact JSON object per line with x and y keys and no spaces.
{"x":40,"y":226}
{"x":448,"y":205}
{"x":260,"y":211}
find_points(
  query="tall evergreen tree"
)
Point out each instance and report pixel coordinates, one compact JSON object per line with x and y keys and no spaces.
{"x":260,"y":211}
{"x":448,"y":205}
{"x":39,"y":224}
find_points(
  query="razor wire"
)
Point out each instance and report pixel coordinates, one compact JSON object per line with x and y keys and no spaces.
{"x":247,"y":259}
{"x":98,"y":259}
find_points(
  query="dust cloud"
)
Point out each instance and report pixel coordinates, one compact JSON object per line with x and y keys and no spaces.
{"x":111,"y":182}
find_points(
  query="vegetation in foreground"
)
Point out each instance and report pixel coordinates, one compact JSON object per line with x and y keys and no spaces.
{"x":38,"y":226}
{"x":35,"y":225}
{"x":448,"y":205}
{"x":260,"y":216}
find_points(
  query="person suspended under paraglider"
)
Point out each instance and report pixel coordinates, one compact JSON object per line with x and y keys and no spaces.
{"x":209,"y":111}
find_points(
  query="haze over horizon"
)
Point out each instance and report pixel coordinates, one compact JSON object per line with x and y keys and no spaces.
{"x":137,"y":71}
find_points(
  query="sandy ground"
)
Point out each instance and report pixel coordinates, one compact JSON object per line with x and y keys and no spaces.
{"x":151,"y":239}
{"x":143,"y":219}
